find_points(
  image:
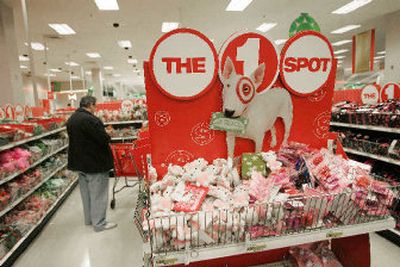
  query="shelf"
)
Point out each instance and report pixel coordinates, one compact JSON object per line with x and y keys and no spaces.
{"x":33,"y":138}
{"x":15,"y":203}
{"x":9,"y":178}
{"x":372,"y":156}
{"x":22,"y":244}
{"x":123,"y":138}
{"x":269,"y":243}
{"x":366,"y":127}
{"x":122,"y":122}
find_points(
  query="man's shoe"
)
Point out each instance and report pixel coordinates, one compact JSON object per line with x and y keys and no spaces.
{"x":107,"y":226}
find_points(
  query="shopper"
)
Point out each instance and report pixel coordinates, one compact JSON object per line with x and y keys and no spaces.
{"x":90,"y":155}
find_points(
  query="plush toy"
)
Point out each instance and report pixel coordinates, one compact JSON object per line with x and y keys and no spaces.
{"x":220,"y":192}
{"x":240,"y":197}
{"x":160,"y":203}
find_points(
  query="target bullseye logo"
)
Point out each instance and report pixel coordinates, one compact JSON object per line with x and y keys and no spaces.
{"x":245,"y":90}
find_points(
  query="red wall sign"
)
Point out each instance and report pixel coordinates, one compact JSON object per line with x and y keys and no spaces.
{"x":370,"y":94}
{"x":2,"y":114}
{"x":390,"y":91}
{"x":10,"y":113}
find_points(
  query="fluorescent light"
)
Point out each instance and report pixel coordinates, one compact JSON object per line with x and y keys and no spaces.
{"x":340,"y":57}
{"x":74,"y":77}
{"x":117,"y":75}
{"x":108,"y":67}
{"x":93,"y":55}
{"x":238,"y":5}
{"x":62,"y":29}
{"x":132,"y":61}
{"x":339,"y":43}
{"x":54,"y":70}
{"x":381,"y":53}
{"x":125,"y":44}
{"x":72,"y":64}
{"x":280,"y":41}
{"x":379,"y":57}
{"x":346,"y":29}
{"x":22,"y":58}
{"x":107,"y":4}
{"x":341,"y":51}
{"x":88,"y":72}
{"x":23,"y":67}
{"x":37,"y":46}
{"x":266,"y":27}
{"x":169,"y":26}
{"x":350,"y":7}
{"x":50,"y":74}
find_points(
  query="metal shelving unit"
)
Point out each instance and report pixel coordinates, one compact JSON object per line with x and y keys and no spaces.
{"x":124,"y":138}
{"x":372,"y":156}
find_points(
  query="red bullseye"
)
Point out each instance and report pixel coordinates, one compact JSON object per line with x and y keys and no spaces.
{"x":245,"y":90}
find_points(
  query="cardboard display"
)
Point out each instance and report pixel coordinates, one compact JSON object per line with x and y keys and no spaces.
{"x":19,"y":113}
{"x":370,"y":94}
{"x":390,"y":91}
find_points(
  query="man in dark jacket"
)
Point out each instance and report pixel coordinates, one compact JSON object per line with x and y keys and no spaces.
{"x":90,"y":155}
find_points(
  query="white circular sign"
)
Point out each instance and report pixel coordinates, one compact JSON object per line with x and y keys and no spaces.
{"x":184,"y":63}
{"x":390,"y":91}
{"x":126,"y":106}
{"x":306,"y":62}
{"x":19,"y":113}
{"x":370,"y":94}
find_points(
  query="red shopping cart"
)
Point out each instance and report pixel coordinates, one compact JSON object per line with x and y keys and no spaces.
{"x":129,"y":164}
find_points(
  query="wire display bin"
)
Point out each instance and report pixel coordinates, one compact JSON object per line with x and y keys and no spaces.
{"x":179,"y":238}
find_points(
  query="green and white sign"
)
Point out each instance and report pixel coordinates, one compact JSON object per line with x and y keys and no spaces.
{"x":222,"y":123}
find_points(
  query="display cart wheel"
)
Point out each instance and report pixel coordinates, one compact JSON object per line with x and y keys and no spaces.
{"x":112,"y":204}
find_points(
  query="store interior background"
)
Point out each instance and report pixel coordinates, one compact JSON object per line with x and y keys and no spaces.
{"x":140,"y":23}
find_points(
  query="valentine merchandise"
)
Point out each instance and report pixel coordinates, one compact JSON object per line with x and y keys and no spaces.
{"x":137,"y":112}
{"x":252,"y":162}
{"x":315,"y":255}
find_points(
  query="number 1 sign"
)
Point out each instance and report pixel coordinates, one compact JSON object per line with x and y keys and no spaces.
{"x":390,"y":91}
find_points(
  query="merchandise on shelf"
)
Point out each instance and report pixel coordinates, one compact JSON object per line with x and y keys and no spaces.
{"x":121,"y":132}
{"x":139,"y":112}
{"x":316,"y":255}
{"x":304,"y":189}
{"x":385,"y":114}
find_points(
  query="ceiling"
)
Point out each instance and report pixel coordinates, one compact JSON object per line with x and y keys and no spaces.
{"x":140,"y":22}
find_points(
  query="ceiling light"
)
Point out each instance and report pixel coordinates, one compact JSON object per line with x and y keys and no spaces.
{"x":238,"y":5}
{"x":341,"y":51}
{"x":107,"y":4}
{"x":132,"y":61}
{"x":266,"y":27}
{"x":50,"y":75}
{"x":169,"y":26}
{"x":37,"y":46}
{"x":108,"y":67}
{"x":117,"y":75}
{"x":280,"y":41}
{"x":93,"y":55}
{"x":125,"y":44}
{"x":88,"y":72}
{"x":23,"y":67}
{"x":54,"y":70}
{"x":381,"y":53}
{"x":346,"y":29}
{"x":379,"y":57}
{"x":72,"y":64}
{"x":350,"y":7}
{"x":339,"y":43}
{"x":74,"y":77}
{"x":62,"y":29}
{"x":340,"y":57}
{"x":23,"y":58}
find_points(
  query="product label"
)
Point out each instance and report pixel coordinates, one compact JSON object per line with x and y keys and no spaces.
{"x":221,"y":123}
{"x":258,"y":247}
{"x":334,"y":234}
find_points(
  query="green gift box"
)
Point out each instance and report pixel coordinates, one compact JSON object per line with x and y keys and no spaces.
{"x":252,"y":162}
{"x":235,"y":125}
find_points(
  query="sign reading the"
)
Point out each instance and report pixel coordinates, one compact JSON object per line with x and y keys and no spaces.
{"x":306,"y":63}
{"x":184,"y":73}
{"x":390,"y":91}
{"x":370,"y":94}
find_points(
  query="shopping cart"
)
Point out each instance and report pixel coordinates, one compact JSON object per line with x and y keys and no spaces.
{"x":127,"y":165}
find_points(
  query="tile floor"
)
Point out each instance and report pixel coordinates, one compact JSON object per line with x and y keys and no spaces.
{"x":66,"y":242}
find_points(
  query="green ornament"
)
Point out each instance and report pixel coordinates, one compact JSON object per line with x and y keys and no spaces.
{"x":303,"y":23}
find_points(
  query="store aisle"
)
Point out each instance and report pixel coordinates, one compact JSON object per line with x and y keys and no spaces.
{"x":66,"y":242}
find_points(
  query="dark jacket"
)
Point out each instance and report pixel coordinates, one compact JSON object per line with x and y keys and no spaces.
{"x":89,"y":149}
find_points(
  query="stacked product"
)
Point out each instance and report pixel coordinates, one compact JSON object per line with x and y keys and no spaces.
{"x":293,"y":190}
{"x":139,"y":112}
{"x":17,"y":223}
{"x":385,"y":114}
{"x":121,"y":132}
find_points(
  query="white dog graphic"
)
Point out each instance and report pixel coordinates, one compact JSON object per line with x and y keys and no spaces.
{"x":240,"y":99}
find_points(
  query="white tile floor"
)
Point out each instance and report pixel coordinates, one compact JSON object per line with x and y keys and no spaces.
{"x":66,"y":242}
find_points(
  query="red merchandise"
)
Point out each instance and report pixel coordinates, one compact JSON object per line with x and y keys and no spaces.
{"x":195,"y":195}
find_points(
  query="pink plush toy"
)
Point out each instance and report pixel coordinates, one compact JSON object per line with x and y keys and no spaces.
{"x":260,"y":187}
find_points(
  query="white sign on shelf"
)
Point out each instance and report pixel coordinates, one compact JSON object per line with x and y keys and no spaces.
{"x":306,"y":62}
{"x":184,"y":63}
{"x":370,"y":94}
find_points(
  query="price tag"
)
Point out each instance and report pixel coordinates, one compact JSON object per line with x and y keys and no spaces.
{"x":167,"y":261}
{"x":334,"y":234}
{"x":258,"y":247}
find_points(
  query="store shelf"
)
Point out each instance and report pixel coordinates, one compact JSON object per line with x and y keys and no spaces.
{"x":24,"y":242}
{"x":372,"y":156}
{"x":15,"y":203}
{"x":123,"y":138}
{"x":269,"y":243}
{"x":33,"y":138}
{"x":366,"y":127}
{"x":9,"y":178}
{"x":123,"y":122}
